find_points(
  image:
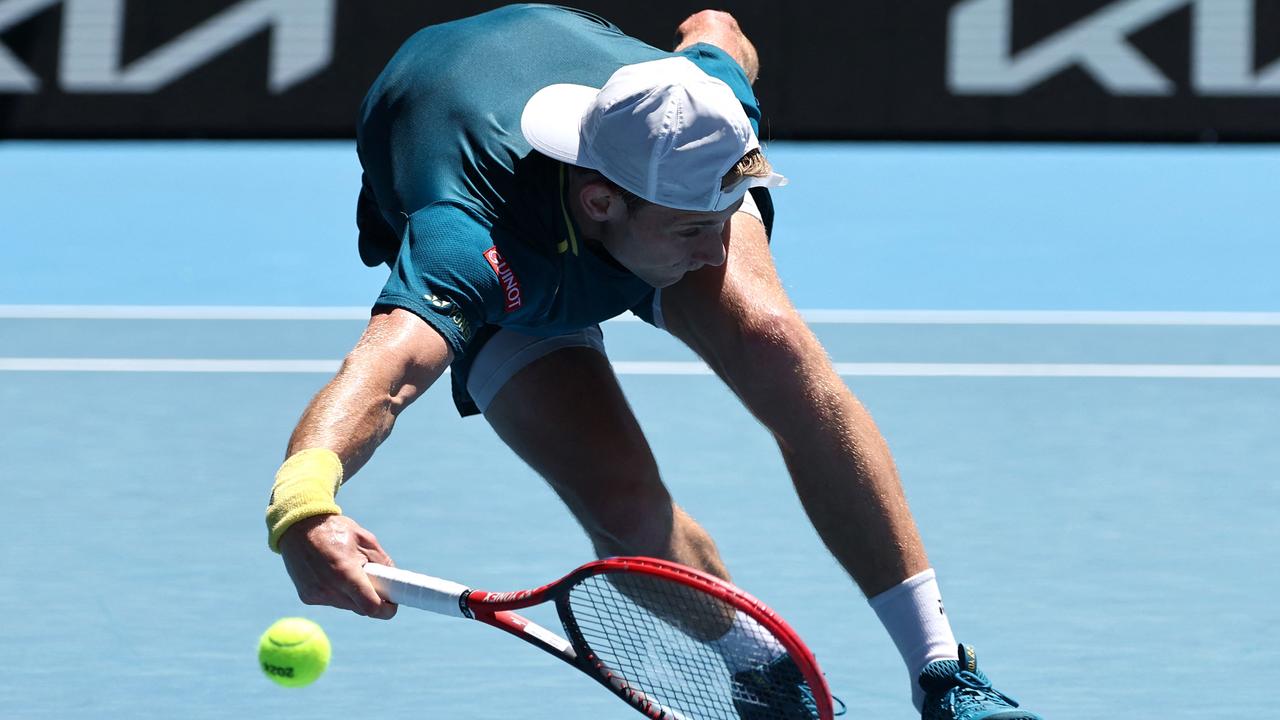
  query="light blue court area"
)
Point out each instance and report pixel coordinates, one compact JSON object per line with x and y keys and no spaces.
{"x":925,"y":226}
{"x":1074,"y":353}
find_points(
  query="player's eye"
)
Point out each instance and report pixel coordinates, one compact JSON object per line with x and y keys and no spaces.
{"x":690,"y":232}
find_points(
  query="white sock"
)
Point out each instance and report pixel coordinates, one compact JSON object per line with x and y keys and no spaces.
{"x":747,"y":644}
{"x":912,"y":612}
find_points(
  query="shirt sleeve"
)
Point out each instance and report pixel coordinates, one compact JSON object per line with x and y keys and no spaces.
{"x":441,"y":273}
{"x":720,"y":65}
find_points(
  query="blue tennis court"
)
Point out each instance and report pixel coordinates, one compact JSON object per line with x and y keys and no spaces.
{"x":1074,"y":353}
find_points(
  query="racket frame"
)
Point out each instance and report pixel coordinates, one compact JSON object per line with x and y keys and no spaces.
{"x":499,"y":610}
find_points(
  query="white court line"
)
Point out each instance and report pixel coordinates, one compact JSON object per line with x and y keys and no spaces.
{"x":1038,"y":317}
{"x":167,"y":365}
{"x":1030,"y":370}
{"x":817,"y":317}
{"x":1065,"y":370}
{"x":179,"y":312}
{"x":1026,"y":370}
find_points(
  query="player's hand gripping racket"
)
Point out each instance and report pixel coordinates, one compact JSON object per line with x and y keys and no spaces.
{"x":674,"y":643}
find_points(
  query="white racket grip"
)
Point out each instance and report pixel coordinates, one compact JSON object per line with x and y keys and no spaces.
{"x":424,"y":592}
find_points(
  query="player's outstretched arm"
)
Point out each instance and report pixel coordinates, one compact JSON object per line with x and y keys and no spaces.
{"x":739,"y":319}
{"x":398,"y":357}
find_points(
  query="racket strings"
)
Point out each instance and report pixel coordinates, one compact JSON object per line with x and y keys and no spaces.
{"x":681,"y":650}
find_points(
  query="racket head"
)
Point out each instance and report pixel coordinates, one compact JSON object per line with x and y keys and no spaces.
{"x":618,"y":614}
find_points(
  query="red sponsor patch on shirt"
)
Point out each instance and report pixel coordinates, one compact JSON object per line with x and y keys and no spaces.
{"x":510,"y":283}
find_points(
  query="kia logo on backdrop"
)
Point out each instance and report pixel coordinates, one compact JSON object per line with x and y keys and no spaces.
{"x":92,"y":45}
{"x":1221,"y":48}
{"x":1167,"y":70}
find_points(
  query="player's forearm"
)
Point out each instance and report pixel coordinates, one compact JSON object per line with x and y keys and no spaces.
{"x":849,"y":486}
{"x":396,"y":360}
{"x":353,"y":414}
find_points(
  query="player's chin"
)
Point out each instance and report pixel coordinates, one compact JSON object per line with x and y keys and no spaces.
{"x":678,"y":275}
{"x":663,"y":281}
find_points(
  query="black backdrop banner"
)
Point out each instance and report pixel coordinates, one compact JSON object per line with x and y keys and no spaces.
{"x":1158,"y":70}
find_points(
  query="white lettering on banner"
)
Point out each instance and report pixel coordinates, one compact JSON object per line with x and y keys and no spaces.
{"x":14,"y":76}
{"x":981,"y":60}
{"x":90,"y":59}
{"x":1223,"y":51}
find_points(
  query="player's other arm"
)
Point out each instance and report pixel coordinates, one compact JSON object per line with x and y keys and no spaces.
{"x":721,"y":29}
{"x":398,"y":357}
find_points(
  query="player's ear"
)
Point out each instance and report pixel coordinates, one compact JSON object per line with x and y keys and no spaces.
{"x":600,"y":201}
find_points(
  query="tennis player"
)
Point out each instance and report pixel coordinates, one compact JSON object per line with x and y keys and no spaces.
{"x":529,"y":173}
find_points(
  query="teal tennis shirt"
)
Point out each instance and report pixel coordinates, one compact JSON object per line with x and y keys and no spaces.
{"x":472,"y":222}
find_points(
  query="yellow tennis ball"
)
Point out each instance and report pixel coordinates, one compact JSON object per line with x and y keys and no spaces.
{"x":293,"y":652}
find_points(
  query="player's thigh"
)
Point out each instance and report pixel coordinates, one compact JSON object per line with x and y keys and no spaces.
{"x":560,"y":408}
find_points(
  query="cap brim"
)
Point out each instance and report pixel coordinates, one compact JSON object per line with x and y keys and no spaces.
{"x":552,"y":118}
{"x":772,"y":180}
{"x":732,"y":195}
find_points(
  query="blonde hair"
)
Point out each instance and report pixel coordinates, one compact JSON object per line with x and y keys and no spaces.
{"x":753,"y":164}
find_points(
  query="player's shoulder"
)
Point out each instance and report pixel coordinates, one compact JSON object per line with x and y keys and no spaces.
{"x":509,"y":273}
{"x":520,"y":22}
{"x":447,"y":219}
{"x":719,"y":64}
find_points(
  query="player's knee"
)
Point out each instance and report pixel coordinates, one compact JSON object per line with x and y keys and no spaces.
{"x":643,"y":538}
{"x":632,"y":522}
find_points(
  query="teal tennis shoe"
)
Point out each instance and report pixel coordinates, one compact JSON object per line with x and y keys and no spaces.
{"x":958,"y":690}
{"x":775,"y":691}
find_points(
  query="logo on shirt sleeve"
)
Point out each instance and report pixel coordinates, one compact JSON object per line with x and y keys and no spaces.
{"x":510,"y":283}
{"x":438,"y":302}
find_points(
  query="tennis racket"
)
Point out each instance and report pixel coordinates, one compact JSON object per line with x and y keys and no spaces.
{"x":653,"y":632}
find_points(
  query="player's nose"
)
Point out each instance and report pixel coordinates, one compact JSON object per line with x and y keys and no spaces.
{"x":712,"y":251}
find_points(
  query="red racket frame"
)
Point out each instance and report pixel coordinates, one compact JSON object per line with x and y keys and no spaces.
{"x":497,"y":609}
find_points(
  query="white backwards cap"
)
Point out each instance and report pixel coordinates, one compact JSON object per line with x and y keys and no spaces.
{"x":662,"y":129}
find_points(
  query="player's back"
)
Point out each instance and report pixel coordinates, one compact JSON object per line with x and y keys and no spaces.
{"x":442,"y":121}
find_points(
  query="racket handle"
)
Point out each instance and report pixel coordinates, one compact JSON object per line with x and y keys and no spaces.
{"x":417,"y":590}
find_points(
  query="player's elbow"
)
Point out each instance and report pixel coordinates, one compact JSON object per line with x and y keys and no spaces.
{"x":401,"y":354}
{"x":708,"y":22}
{"x":776,"y":341}
{"x":782,"y":373}
{"x":719,"y":28}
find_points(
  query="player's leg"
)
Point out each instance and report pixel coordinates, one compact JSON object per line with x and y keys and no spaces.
{"x":557,"y":403}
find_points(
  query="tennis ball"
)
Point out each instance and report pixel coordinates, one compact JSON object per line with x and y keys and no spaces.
{"x":293,"y":652}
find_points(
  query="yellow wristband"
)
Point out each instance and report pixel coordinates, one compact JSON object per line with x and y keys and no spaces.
{"x":306,"y":485}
